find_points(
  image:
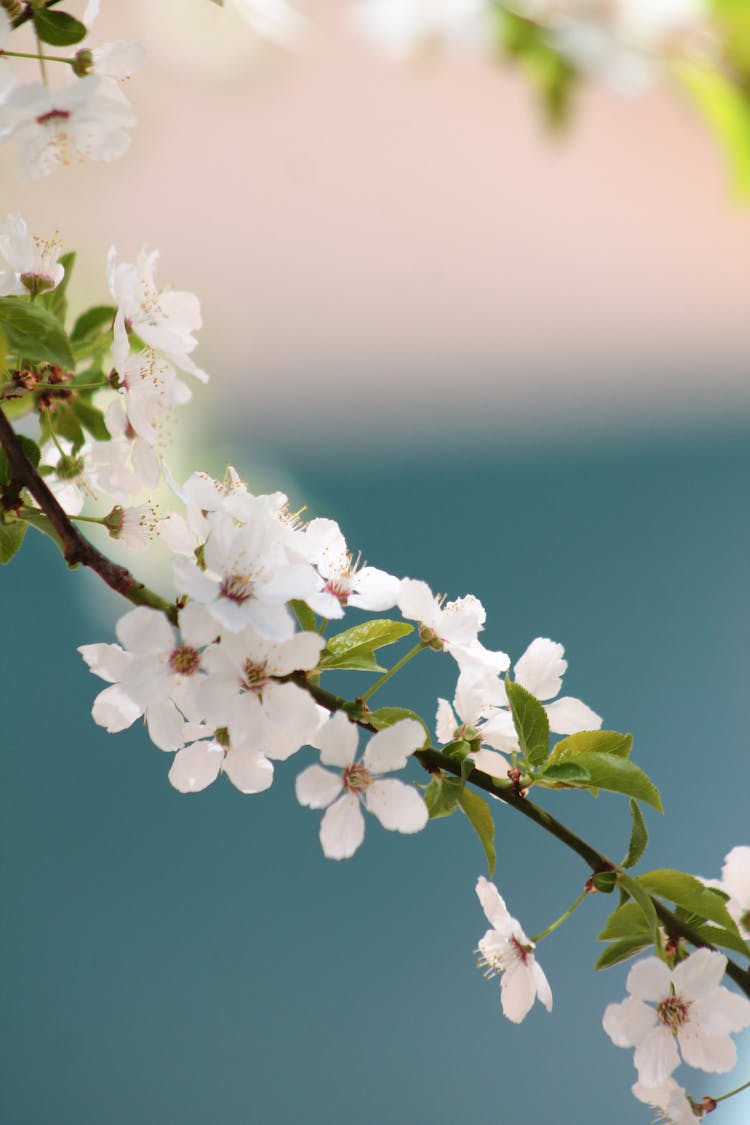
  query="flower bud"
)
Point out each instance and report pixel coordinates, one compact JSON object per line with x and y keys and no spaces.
{"x":68,"y":468}
{"x":83,"y":63}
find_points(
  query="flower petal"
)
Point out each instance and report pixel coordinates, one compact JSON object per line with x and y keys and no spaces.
{"x":144,"y":630}
{"x":337,"y":741}
{"x":517,"y":992}
{"x":569,"y":716}
{"x":649,"y":980}
{"x":493,"y":903}
{"x":389,"y":749}
{"x":248,"y":770}
{"x":715,"y":1053}
{"x":656,"y":1056}
{"x":316,"y":788}
{"x":342,"y":829}
{"x":699,"y":974}
{"x":398,"y":807}
{"x":629,"y":1022}
{"x":541,"y":668}
{"x":195,"y":767}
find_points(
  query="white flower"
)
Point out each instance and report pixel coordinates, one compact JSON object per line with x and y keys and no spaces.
{"x":346,"y":582}
{"x":84,"y":121}
{"x":133,"y":527}
{"x":124,"y":466}
{"x":505,"y":949}
{"x":398,"y":806}
{"x":71,"y":481}
{"x":118,"y":61}
{"x":691,"y":1008}
{"x":454,"y":626}
{"x":165,"y":319}
{"x":735,"y":880}
{"x":401,"y":27}
{"x":273,"y":19}
{"x":247,"y":580}
{"x":237,"y":753}
{"x":476,"y":699}
{"x":670,"y":1099}
{"x":34,"y":267}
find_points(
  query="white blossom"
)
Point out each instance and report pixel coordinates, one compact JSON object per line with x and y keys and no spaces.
{"x":669,"y":1099}
{"x":691,"y":1009}
{"x":345,"y":581}
{"x":506,"y":950}
{"x":453,"y":626}
{"x":277,"y":20}
{"x":398,"y":806}
{"x":237,"y":753}
{"x":476,"y":704}
{"x":735,"y":880}
{"x":34,"y":267}
{"x":402,"y":27}
{"x":118,"y":61}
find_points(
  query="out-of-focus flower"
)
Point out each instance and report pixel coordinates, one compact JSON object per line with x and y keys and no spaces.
{"x":735,"y":880}
{"x":671,"y":1101}
{"x":691,"y":1009}
{"x":506,"y":950}
{"x":34,"y":267}
{"x":403,"y":27}
{"x":277,"y":20}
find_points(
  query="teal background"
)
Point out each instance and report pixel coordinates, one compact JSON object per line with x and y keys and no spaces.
{"x":195,"y":959}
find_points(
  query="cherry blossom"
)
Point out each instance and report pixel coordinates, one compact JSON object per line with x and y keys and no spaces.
{"x":735,"y":880}
{"x":345,"y":581}
{"x":453,"y":626}
{"x":398,"y":806}
{"x":239,"y":753}
{"x":671,"y":1101}
{"x":401,"y":27}
{"x":506,"y":950}
{"x":34,"y":267}
{"x":691,"y":1009}
{"x":479,"y":719}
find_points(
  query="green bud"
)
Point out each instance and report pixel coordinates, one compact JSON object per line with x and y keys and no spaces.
{"x":68,"y":468}
{"x":82,"y":63}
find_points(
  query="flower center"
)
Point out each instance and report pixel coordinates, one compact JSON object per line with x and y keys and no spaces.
{"x":237,"y":587}
{"x":254,"y":677}
{"x":184,"y":661}
{"x":521,"y":951}
{"x":356,"y":778}
{"x":53,"y":115}
{"x":340,"y":587}
{"x":673,"y":1012}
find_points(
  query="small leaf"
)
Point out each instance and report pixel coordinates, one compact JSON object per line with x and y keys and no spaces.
{"x":638,"y":836}
{"x":362,"y":639}
{"x":625,"y":922}
{"x":34,"y":333}
{"x":92,"y":332}
{"x":531,"y":723}
{"x":356,"y":662}
{"x":58,"y":28}
{"x":11,"y":538}
{"x":41,"y":522}
{"x":563,"y":772}
{"x":305,"y":616}
{"x":92,"y":419}
{"x":56,"y":300}
{"x":641,"y":898}
{"x":478,"y":812}
{"x":387,"y":716}
{"x":687,"y":891}
{"x":621,"y":950}
{"x":586,"y":741}
{"x":442,"y":795}
{"x":717,"y":935}
{"x":618,"y":775}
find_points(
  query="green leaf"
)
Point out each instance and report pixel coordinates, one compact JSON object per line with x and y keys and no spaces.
{"x":58,"y":28}
{"x":34,"y":333}
{"x":362,"y":640}
{"x":554,"y":76}
{"x":621,"y":950}
{"x":92,"y":419}
{"x":66,"y":425}
{"x":305,"y":616}
{"x":638,"y":836}
{"x":38,"y":520}
{"x":530,"y":721}
{"x":641,"y":898}
{"x":458,"y":749}
{"x":11,"y":538}
{"x":357,"y":662}
{"x":478,"y":812}
{"x":56,"y":300}
{"x":725,"y":106}
{"x":442,"y":795}
{"x":563,"y":773}
{"x":387,"y":716}
{"x":618,"y":775}
{"x":586,"y":741}
{"x":624,"y":922}
{"x":3,"y":355}
{"x":92,"y":332}
{"x":718,"y":935}
{"x":30,"y":448}
{"x":687,"y":891}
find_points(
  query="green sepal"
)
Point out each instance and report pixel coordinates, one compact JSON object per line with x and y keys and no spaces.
{"x":638,"y":836}
{"x":11,"y":537}
{"x":458,"y":749}
{"x":58,"y":28}
{"x":305,"y":616}
{"x":92,"y":332}
{"x":56,"y":300}
{"x":531,"y":723}
{"x":605,"y":881}
{"x":33,"y":333}
{"x":588,"y":741}
{"x":442,"y":795}
{"x":479,"y":816}
{"x":621,"y":950}
{"x":361,"y":640}
{"x":687,"y":891}
{"x":388,"y":716}
{"x":641,"y":898}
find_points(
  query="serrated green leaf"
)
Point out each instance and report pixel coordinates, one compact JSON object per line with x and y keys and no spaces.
{"x":479,"y":816}
{"x":687,"y":891}
{"x":58,"y":28}
{"x":531,"y":723}
{"x":56,"y":300}
{"x":34,"y":333}
{"x":305,"y":616}
{"x":641,"y":898}
{"x":92,"y":332}
{"x":638,"y":836}
{"x":442,"y":795}
{"x":362,"y":639}
{"x":618,"y":775}
{"x":562,"y":772}
{"x":387,"y":716}
{"x":621,"y":950}
{"x":625,"y":922}
{"x":587,"y":741}
{"x":11,"y":538}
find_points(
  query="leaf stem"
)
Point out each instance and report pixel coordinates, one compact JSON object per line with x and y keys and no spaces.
{"x":392,"y":671}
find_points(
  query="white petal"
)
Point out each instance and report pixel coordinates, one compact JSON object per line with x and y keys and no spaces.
{"x":196,"y":766}
{"x":543,"y":990}
{"x":721,"y":1011}
{"x":714,"y":1053}
{"x":656,"y":1056}
{"x":569,"y":716}
{"x":445,"y":721}
{"x":109,"y":662}
{"x":248,"y":770}
{"x":166,"y":726}
{"x":301,"y":653}
{"x":735,"y":875}
{"x":493,"y":903}
{"x":197,"y":626}
{"x":699,"y":973}
{"x":541,"y":668}
{"x":500,"y":731}
{"x":629,"y":1022}
{"x":114,"y":710}
{"x":649,"y":980}
{"x":489,"y":761}
{"x":517,"y":992}
{"x":416,"y":601}
{"x":398,"y":807}
{"x":317,"y":788}
{"x":389,"y":749}
{"x":337,"y":741}
{"x":374,"y":590}
{"x":274,"y":622}
{"x":291,"y":708}
{"x":342,"y":829}
{"x":190,"y":579}
{"x":144,"y":630}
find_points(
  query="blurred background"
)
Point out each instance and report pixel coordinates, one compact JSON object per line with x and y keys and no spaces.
{"x":508,"y":363}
